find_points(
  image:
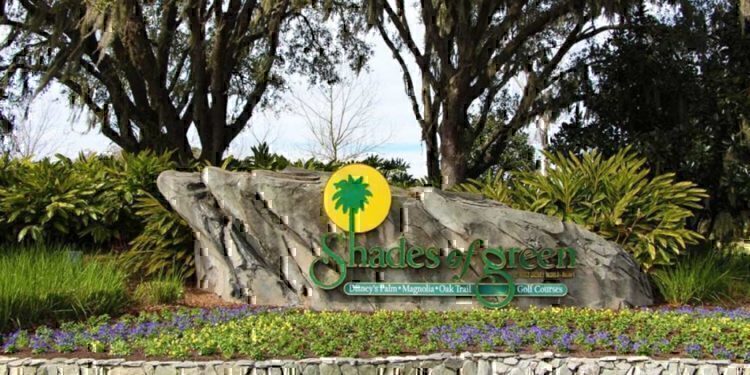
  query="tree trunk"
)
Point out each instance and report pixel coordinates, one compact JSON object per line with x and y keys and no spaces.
{"x":212,"y":150}
{"x":453,"y":154}
{"x":433,"y":161}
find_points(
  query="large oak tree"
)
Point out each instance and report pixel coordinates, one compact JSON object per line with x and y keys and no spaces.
{"x":472,"y":54}
{"x":149,"y":70}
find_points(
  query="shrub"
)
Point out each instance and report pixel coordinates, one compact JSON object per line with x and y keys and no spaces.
{"x":164,"y":245}
{"x":41,"y":283}
{"x":68,"y":200}
{"x":162,"y":290}
{"x":612,"y":197}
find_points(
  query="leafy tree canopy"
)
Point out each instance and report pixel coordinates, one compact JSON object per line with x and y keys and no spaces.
{"x":676,"y":90}
{"x":147,"y":71}
{"x":479,"y":55}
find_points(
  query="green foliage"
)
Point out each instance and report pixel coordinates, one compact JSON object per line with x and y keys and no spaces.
{"x":106,"y":200}
{"x":113,"y":201}
{"x":263,"y":158}
{"x":492,"y":186}
{"x":706,"y":276}
{"x":395,"y":170}
{"x":696,"y":279}
{"x":258,"y":334}
{"x":165,"y":242}
{"x":614,"y":197}
{"x":87,"y":199}
{"x":161,"y":290}
{"x":43,"y":283}
{"x":518,"y":154}
{"x":687,"y":112}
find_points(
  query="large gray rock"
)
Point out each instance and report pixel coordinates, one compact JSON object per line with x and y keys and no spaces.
{"x":257,"y":234}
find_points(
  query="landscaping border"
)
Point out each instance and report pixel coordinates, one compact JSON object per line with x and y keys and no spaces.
{"x":433,"y":364}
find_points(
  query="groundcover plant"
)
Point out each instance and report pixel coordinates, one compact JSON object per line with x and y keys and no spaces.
{"x":260,"y":333}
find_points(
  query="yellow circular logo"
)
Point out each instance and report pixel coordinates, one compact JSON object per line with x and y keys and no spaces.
{"x":357,"y":198}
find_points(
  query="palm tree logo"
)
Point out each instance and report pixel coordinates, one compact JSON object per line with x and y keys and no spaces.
{"x":357,"y":198}
{"x":351,"y":197}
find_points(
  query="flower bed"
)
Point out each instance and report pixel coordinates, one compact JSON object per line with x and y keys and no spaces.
{"x":254,"y":333}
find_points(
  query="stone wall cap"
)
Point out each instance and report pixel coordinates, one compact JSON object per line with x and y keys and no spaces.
{"x":244,"y":362}
{"x":186,"y":364}
{"x":545,"y":355}
{"x":638,"y":358}
{"x":719,"y":362}
{"x":210,"y":363}
{"x":19,"y":362}
{"x":108,"y":362}
{"x":309,"y":361}
{"x":688,"y":361}
{"x":399,"y":359}
{"x":270,"y":363}
{"x":167,"y":363}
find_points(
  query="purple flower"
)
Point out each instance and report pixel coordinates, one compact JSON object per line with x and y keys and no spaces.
{"x":721,"y":352}
{"x":622,"y":344}
{"x":10,"y":344}
{"x":39,"y":344}
{"x":63,"y":341}
{"x":565,"y":342}
{"x":707,"y":312}
{"x":694,"y":350}
{"x":511,"y":339}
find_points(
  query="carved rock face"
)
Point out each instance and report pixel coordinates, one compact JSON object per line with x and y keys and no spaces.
{"x":257,"y":234}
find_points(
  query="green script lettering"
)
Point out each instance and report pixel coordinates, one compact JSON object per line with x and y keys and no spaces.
{"x":433,"y":256}
{"x":412,"y":255}
{"x":326,"y":259}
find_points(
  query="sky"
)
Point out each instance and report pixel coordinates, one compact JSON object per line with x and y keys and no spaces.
{"x":285,"y":131}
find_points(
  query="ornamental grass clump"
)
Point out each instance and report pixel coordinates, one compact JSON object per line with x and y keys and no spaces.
{"x":695,"y":279}
{"x":162,"y":290}
{"x":46,"y":283}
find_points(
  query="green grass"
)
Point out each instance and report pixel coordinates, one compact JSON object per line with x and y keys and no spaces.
{"x":162,"y":290}
{"x":45,"y":283}
{"x":703,"y":278}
